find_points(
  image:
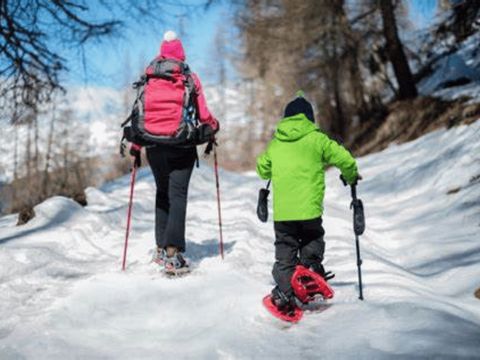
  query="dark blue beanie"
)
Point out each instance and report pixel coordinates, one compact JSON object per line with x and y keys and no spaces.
{"x":300,"y":106}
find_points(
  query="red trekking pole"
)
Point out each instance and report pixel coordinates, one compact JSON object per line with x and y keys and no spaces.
{"x":129,"y":214}
{"x":218,"y":199}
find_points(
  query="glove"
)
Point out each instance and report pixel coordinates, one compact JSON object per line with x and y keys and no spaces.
{"x":209,"y":147}
{"x":218,"y":128}
{"x":354,"y":182}
{"x":359,"y":177}
{"x":136,"y":152}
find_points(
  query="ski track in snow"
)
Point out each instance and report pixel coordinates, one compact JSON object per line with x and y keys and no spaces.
{"x":62,"y":294}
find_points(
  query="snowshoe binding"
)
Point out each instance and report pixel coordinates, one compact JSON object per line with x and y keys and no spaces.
{"x":320,"y":270}
{"x":176,"y":265}
{"x":282,"y":307}
{"x":159,"y":256}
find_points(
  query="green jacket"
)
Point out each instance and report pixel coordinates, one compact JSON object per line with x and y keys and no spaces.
{"x":295,"y":160}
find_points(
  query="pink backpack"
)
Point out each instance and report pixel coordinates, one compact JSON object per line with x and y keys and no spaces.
{"x":165,"y":110}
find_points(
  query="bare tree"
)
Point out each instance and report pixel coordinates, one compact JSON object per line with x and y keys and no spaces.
{"x":396,"y":54}
{"x":31,"y":67}
{"x":319,"y":54}
{"x":27,"y":61}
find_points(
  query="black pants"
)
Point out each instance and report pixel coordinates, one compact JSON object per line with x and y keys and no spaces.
{"x":296,"y":242}
{"x":171,"y":168}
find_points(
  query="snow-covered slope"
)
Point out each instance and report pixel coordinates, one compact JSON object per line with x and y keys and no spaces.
{"x":62,"y":294}
{"x":461,"y":65}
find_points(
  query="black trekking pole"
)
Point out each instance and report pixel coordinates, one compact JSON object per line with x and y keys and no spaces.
{"x":212,"y":145}
{"x":358,"y":228}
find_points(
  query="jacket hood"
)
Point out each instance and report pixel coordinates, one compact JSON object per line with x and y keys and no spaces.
{"x":172,"y":50}
{"x":294,"y":127}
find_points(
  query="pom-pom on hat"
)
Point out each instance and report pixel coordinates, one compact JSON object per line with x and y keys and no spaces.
{"x":172,"y":47}
{"x":170,"y":36}
{"x":300,"y":106}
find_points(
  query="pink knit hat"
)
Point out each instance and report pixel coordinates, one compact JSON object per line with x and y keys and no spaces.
{"x":172,"y":47}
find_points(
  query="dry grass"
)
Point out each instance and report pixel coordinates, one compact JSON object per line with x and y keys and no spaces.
{"x":119,"y":166}
{"x":408,"y":120}
{"x":22,"y":194}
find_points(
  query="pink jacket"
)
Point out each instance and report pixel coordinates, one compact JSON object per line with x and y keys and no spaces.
{"x":163,"y":117}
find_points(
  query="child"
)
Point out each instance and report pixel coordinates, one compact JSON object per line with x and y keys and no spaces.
{"x":295,"y":161}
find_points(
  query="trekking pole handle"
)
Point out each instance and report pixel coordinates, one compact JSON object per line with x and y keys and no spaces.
{"x":353,"y":187}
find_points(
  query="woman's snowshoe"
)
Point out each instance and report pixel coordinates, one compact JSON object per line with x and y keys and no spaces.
{"x":176,"y":265}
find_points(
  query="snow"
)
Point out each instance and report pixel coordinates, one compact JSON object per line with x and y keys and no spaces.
{"x":449,"y":68}
{"x":464,"y":64}
{"x":63,"y":295}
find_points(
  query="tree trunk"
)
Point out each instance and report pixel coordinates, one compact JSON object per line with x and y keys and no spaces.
{"x":352,"y":62}
{"x":403,"y":74}
{"x":339,"y":126}
{"x":36,"y":154}
{"x":15,"y":169}
{"x":340,"y":120}
{"x":15,"y":153}
{"x":48,"y":156}
{"x":28,"y":155}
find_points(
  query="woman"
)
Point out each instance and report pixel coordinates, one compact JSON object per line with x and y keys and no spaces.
{"x":172,"y":165}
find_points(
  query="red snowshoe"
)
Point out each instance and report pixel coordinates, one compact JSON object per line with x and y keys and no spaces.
{"x":294,"y":314}
{"x":282,"y":306}
{"x":308,"y":285}
{"x":310,"y":289}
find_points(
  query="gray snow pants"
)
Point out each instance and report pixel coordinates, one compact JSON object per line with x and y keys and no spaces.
{"x":296,"y":242}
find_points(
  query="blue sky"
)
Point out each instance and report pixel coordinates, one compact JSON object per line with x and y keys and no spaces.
{"x":422,"y":12}
{"x":109,"y":62}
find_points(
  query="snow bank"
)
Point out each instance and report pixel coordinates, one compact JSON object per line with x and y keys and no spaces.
{"x":62,"y":294}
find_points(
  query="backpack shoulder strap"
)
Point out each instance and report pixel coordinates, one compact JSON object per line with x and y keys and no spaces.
{"x":189,"y":82}
{"x":165,"y":68}
{"x":139,"y":86}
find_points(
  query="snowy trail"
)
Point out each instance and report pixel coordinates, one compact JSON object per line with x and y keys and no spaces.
{"x":62,"y":294}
